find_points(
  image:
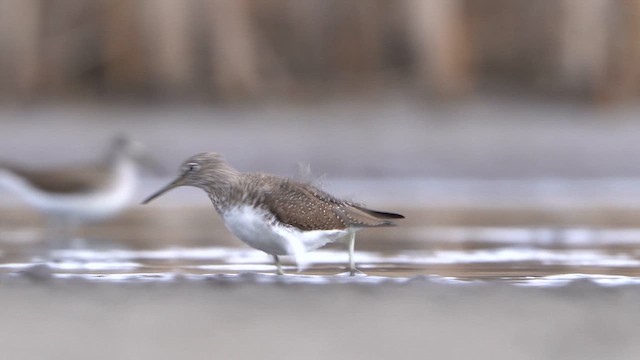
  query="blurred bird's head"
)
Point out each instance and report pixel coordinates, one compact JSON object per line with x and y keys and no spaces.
{"x":124,"y":147}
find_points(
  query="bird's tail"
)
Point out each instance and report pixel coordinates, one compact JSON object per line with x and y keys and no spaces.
{"x":358,"y":216}
{"x":379,"y":214}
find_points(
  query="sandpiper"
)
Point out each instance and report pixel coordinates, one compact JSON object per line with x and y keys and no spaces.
{"x":76,"y":194}
{"x":276,"y":215}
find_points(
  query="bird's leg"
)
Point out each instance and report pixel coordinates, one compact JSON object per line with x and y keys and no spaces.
{"x":352,"y":261}
{"x":276,"y":259}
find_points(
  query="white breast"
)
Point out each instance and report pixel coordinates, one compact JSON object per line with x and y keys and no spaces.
{"x":253,"y":226}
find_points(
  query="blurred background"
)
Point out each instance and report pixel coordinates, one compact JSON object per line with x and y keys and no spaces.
{"x":483,"y":114}
{"x":476,"y":117}
{"x":505,"y":130}
{"x":216,"y":52}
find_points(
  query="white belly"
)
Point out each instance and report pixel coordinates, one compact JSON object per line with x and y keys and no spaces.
{"x":252,"y":226}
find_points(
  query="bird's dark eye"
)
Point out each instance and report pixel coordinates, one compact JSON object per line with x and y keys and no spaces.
{"x":191,"y":167}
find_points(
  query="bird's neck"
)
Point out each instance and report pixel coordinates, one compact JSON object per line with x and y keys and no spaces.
{"x":122,"y":172}
{"x":121,"y":162}
{"x":219,"y":202}
{"x":116,"y":158}
{"x":223,"y":188}
{"x":221,"y":197}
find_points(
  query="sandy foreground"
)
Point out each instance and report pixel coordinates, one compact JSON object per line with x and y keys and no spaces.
{"x":246,"y":318}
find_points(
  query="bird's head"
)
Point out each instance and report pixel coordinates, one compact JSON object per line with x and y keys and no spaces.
{"x":205,"y":170}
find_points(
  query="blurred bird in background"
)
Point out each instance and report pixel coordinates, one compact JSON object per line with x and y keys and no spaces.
{"x":73,"y":195}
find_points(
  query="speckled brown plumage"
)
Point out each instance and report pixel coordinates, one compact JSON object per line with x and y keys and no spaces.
{"x":305,"y":206}
{"x":292,"y":203}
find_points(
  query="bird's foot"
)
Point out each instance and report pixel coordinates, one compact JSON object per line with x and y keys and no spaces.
{"x":352,"y":272}
{"x":276,"y":261}
{"x":356,"y":272}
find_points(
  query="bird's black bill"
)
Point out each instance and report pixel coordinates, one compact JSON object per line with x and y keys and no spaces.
{"x":162,"y":191}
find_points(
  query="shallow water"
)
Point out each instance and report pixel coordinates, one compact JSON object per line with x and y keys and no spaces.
{"x":155,"y":245}
{"x":484,"y":262}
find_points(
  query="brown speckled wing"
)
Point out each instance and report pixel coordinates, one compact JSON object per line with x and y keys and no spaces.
{"x":293,"y":204}
{"x":309,"y":208}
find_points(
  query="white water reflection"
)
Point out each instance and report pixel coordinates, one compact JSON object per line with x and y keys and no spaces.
{"x":567,"y":279}
{"x":522,"y":266}
{"x":240,"y":257}
{"x":343,"y":278}
{"x":514,"y":255}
